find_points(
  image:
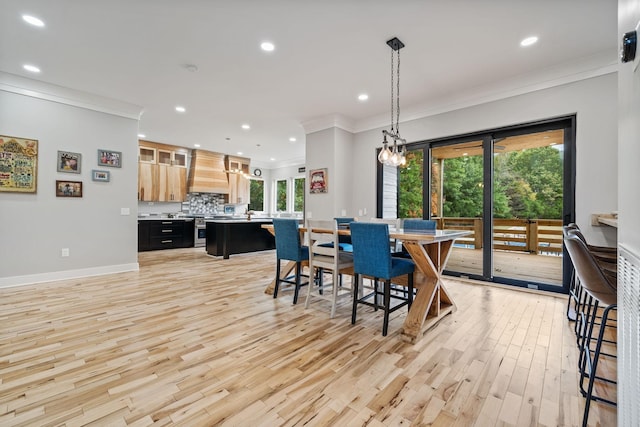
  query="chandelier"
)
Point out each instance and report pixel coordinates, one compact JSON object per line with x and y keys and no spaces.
{"x":396,"y":155}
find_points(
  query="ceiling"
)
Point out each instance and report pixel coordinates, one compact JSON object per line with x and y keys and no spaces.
{"x":326,"y":54}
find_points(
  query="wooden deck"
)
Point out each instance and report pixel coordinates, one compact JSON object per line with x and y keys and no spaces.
{"x":515,"y":265}
{"x":192,"y":340}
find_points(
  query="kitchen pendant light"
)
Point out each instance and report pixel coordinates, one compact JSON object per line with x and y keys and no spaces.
{"x":395,"y":156}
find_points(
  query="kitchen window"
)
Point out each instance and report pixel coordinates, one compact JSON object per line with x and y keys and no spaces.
{"x":256,"y":195}
{"x":281,"y":195}
{"x":298,"y":194}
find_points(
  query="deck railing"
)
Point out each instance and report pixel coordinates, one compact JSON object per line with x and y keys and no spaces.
{"x":535,"y":236}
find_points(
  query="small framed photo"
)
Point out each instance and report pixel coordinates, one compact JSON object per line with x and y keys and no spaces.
{"x":69,"y":162}
{"x":103,"y":176}
{"x":68,"y":188}
{"x":318,"y":181}
{"x":110,"y":158}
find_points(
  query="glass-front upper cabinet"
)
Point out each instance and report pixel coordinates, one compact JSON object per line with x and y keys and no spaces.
{"x":147,"y":154}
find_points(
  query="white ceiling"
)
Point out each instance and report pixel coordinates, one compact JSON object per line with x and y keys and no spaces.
{"x":327,"y":52}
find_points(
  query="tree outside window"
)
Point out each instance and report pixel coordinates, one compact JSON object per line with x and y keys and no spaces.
{"x":256,"y":195}
{"x":298,"y":194}
{"x":281,"y":195}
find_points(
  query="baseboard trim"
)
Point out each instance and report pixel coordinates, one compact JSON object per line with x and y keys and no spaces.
{"x":30,"y":279}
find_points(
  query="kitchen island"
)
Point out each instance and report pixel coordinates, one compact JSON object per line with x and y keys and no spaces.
{"x":236,"y":236}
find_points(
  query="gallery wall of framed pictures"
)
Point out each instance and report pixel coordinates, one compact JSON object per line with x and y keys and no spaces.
{"x":19,"y":167}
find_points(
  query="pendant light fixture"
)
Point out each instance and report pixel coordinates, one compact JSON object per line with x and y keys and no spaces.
{"x":396,"y":155}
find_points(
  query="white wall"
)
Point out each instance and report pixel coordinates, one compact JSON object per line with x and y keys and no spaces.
{"x":628,"y":225}
{"x":594,"y":101}
{"x":331,"y":149}
{"x":35,"y":227}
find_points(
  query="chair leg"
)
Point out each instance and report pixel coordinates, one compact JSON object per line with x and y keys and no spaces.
{"x":297,"y":290}
{"x":356,"y":283}
{"x":387,"y":304}
{"x":311,"y":274}
{"x":275,"y":289}
{"x":375,"y":294}
{"x":335,"y":293}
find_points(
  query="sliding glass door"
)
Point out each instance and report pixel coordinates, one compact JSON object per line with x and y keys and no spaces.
{"x":511,"y":188}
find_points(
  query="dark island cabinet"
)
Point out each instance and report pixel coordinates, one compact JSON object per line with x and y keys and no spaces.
{"x":227,"y":237}
{"x":165,"y":234}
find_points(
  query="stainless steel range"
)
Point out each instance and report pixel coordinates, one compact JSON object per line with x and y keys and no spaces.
{"x":200,"y":232}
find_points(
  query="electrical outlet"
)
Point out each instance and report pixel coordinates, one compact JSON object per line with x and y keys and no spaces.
{"x":125,"y":211}
{"x":343,"y":212}
{"x":64,"y":252}
{"x":309,"y":215}
{"x":359,"y":212}
{"x":365,"y":211}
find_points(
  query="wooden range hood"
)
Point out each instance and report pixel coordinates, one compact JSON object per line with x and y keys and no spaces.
{"x":207,"y":173}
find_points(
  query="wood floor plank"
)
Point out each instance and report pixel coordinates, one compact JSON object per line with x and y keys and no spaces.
{"x":194,"y":340}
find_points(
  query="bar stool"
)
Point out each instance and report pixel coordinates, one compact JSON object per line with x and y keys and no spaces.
{"x":599,"y":297}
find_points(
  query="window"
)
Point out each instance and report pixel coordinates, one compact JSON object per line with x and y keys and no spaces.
{"x":281,"y":195}
{"x":256,"y":195}
{"x":298,"y":194}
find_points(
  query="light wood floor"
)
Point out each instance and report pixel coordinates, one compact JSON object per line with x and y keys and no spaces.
{"x":192,"y":340}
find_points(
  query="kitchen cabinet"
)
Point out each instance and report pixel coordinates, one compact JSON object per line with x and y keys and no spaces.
{"x":165,"y":234}
{"x":238,"y":170}
{"x":162,"y":172}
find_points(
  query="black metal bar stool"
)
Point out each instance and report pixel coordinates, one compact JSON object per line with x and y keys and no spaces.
{"x":598,"y":302}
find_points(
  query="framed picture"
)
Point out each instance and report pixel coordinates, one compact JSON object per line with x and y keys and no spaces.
{"x":110,"y":158}
{"x":69,"y":162}
{"x":68,"y":188}
{"x":318,"y":181}
{"x":18,"y":164}
{"x":103,"y":176}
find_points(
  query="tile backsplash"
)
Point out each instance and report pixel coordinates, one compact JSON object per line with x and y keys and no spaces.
{"x":205,"y":204}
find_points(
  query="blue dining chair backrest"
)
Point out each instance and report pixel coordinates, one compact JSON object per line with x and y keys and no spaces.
{"x":419,"y":224}
{"x":288,"y":240}
{"x":371,"y":254}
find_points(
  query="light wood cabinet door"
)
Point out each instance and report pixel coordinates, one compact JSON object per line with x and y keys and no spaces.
{"x":172,"y":183}
{"x":147,"y":182}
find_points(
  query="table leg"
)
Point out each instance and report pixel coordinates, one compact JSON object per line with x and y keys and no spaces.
{"x":432,"y":302}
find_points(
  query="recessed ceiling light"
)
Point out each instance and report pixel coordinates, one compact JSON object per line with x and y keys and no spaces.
{"x":180,"y":109}
{"x":292,"y":139}
{"x":363,"y":97}
{"x":246,"y":126}
{"x":33,"y":20}
{"x":142,"y":135}
{"x":31,"y":68}
{"x":529,"y":41}
{"x":240,"y":153}
{"x":272,"y":159}
{"x":196,"y":145}
{"x":267,"y":46}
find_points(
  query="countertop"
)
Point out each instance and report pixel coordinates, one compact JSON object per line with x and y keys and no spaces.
{"x":155,"y":218}
{"x":238,"y":220}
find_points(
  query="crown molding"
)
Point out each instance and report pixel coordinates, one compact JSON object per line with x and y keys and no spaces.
{"x":589,"y":67}
{"x":47,"y":91}
{"x":328,"y":122}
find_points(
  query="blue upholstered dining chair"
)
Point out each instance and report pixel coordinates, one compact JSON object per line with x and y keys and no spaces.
{"x":415,"y":224}
{"x":371,"y":258}
{"x":419,"y":224}
{"x":345,"y":241}
{"x":288,"y":247}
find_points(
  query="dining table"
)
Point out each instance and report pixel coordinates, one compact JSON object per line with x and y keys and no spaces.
{"x":429,"y":250}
